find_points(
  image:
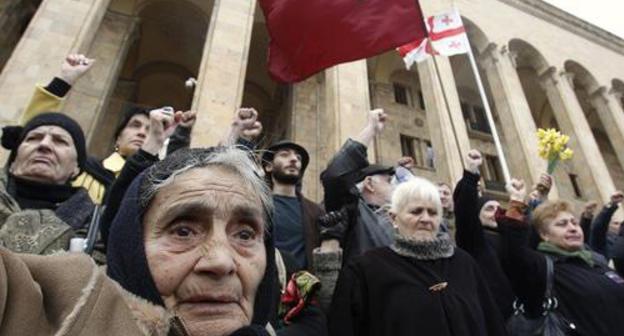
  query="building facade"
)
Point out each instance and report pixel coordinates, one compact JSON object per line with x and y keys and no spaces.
{"x":541,"y":66}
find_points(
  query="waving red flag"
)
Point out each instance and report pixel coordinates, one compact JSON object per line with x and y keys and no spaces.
{"x":308,"y":36}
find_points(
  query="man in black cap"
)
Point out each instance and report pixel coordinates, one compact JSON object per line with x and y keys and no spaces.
{"x":295,"y":217}
{"x":39,"y":209}
{"x":362,"y":191}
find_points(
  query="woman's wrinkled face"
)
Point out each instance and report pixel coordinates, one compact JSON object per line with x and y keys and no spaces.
{"x":418,"y":220}
{"x":204,"y":242}
{"x":564,"y":231}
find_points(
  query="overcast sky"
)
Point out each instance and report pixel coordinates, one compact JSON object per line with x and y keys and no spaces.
{"x":607,"y":14}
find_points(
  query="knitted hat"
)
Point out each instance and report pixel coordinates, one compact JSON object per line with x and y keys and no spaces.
{"x":482,"y":201}
{"x":13,"y":136}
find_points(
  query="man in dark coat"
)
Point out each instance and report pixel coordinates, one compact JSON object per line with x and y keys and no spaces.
{"x":477,"y":233}
{"x":296,"y":230}
{"x":363,"y":189}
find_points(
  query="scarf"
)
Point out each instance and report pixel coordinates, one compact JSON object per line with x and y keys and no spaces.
{"x":582,"y":254}
{"x":37,"y":195}
{"x":440,"y":247}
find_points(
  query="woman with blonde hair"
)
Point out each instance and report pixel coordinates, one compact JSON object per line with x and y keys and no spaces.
{"x":585,"y":291}
{"x":420,"y":284}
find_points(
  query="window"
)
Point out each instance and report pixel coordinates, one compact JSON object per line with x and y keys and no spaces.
{"x":476,"y":118}
{"x":575,"y":185}
{"x":402,"y":94}
{"x":421,"y":100}
{"x":418,"y":149}
{"x":407,"y":146}
{"x":492,"y":172}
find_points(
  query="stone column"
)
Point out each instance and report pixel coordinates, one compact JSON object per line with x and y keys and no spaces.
{"x":570,"y":117}
{"x":611,"y":114}
{"x":347,"y":102}
{"x":514,"y":112}
{"x":308,"y":130}
{"x":221,"y":81}
{"x":449,"y":137}
{"x":88,"y":100}
{"x":58,"y":28}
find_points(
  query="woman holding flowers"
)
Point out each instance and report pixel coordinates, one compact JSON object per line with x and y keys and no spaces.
{"x":588,"y":293}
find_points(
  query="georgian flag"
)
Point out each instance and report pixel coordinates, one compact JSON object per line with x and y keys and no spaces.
{"x":446,"y":36}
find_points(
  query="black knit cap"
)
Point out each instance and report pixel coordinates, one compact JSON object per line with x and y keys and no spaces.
{"x":13,"y":136}
{"x":127,"y":116}
{"x":482,"y":201}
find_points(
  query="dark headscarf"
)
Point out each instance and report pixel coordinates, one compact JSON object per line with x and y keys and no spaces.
{"x":13,"y":136}
{"x":126,"y":119}
{"x":127,"y":262}
{"x":482,"y":201}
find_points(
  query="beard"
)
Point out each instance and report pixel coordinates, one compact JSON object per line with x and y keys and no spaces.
{"x":283,"y":178}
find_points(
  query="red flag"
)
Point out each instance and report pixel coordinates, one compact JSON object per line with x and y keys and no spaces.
{"x":308,"y":36}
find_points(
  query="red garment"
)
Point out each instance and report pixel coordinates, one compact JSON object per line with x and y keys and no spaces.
{"x":309,"y":36}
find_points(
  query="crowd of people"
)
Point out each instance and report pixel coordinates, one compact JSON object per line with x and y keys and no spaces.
{"x":163,"y":239}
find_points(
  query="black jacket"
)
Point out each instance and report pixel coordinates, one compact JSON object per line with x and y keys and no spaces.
{"x":589,"y":297}
{"x":600,"y":239}
{"x":367,"y":227}
{"x":384,"y":294}
{"x":483,"y":244}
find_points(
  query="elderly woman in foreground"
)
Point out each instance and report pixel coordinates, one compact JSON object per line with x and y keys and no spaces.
{"x":188,"y":256}
{"x":421,"y":284}
{"x":590,"y":295}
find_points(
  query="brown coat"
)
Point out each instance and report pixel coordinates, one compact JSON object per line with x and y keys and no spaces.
{"x":310,"y":213}
{"x":66,"y":295}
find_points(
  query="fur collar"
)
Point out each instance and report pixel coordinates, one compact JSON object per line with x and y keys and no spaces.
{"x":151,"y":319}
{"x":438,"y":248}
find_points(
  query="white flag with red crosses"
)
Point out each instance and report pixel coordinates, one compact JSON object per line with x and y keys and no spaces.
{"x":446,"y":36}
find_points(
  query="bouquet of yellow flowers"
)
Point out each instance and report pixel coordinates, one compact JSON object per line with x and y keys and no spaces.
{"x":552,"y":146}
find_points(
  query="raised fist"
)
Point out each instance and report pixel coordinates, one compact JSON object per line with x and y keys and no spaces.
{"x":246,"y":123}
{"x":188,"y":119}
{"x":474,"y":160}
{"x":163,"y":122}
{"x":377,"y":120}
{"x":406,"y":162}
{"x":617,"y":198}
{"x":516,"y":190}
{"x":74,"y":67}
{"x":589,"y":209}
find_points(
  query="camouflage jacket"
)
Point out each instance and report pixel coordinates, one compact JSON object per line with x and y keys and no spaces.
{"x":42,"y":231}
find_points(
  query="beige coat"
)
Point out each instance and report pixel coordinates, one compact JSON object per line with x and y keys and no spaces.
{"x":67,"y":295}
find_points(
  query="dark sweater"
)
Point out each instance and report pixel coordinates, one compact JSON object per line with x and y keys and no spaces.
{"x":589,"y":297}
{"x":483,"y":244}
{"x":384,"y":294}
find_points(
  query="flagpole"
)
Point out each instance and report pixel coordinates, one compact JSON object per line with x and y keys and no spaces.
{"x":488,"y":113}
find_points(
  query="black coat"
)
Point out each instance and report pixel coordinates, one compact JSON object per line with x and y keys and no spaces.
{"x":589,"y":297}
{"x":481,"y":243}
{"x":384,"y":294}
{"x":366,"y":228}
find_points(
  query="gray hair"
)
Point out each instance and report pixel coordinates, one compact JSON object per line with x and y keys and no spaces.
{"x":415,"y":188}
{"x":231,"y":158}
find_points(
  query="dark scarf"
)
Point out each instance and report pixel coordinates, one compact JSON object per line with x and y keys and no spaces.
{"x":127,"y":263}
{"x":37,"y":195}
{"x":438,"y":248}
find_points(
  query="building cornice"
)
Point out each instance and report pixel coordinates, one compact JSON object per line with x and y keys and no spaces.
{"x":563,"y":19}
